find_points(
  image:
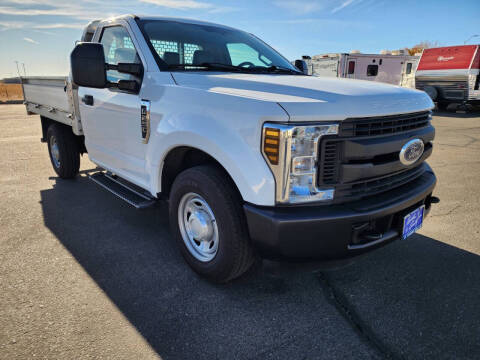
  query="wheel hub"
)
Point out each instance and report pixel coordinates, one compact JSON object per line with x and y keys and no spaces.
{"x":54,"y":151}
{"x":198,"y":227}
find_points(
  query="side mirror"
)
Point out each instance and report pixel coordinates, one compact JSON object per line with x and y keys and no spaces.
{"x":87,"y":61}
{"x":89,"y":69}
{"x":302,"y":66}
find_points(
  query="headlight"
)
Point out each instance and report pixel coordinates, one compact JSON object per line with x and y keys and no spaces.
{"x":291,"y":151}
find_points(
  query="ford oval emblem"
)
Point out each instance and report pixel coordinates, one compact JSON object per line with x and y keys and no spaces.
{"x":411,"y":151}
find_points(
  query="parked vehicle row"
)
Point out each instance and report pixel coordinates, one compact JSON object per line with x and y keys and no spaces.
{"x":448,"y":74}
{"x":254,"y":157}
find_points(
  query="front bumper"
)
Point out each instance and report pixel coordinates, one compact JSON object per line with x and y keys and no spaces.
{"x":336,"y":231}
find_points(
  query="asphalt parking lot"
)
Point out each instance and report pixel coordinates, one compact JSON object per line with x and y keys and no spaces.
{"x":83,"y":274}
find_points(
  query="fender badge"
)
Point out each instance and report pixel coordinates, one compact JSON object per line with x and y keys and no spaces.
{"x":145,"y":120}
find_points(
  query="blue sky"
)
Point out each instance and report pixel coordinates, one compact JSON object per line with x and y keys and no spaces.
{"x":41,"y":33}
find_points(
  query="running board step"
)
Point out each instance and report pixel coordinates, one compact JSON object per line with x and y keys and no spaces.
{"x":127,"y":192}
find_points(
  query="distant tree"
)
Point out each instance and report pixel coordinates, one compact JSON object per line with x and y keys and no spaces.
{"x":420,"y":46}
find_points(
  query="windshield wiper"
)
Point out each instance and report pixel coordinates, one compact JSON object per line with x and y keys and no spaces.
{"x":280,"y":69}
{"x":209,"y":66}
{"x":235,"y":68}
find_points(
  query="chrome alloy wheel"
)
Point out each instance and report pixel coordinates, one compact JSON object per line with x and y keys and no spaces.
{"x":198,"y":227}
{"x":54,"y":152}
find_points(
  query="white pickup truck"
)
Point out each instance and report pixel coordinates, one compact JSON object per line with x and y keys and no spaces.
{"x":255,"y":158}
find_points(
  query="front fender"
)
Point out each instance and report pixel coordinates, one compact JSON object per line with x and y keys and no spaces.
{"x":236,"y":148}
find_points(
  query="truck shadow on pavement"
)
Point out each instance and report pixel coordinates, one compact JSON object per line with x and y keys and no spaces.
{"x":414,"y":299}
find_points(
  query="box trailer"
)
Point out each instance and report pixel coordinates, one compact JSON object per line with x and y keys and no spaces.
{"x":385,"y":68}
{"x":450,"y":74}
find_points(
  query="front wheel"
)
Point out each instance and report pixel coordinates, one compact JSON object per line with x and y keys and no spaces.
{"x":63,"y":150}
{"x":208,"y":223}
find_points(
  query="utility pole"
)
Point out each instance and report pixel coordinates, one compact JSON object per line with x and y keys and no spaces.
{"x":470,"y":38}
{"x":18,"y":70}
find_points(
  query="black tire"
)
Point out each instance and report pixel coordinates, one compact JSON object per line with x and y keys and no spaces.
{"x":68,"y":152}
{"x":442,"y":105}
{"x":235,"y":254}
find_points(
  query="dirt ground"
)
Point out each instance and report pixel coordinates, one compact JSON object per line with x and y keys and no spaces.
{"x":9,"y":92}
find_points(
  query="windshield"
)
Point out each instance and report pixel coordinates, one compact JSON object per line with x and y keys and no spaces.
{"x":183,"y":46}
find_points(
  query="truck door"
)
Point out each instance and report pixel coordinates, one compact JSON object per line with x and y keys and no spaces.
{"x":112,"y":121}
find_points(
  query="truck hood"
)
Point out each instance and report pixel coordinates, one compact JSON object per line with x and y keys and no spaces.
{"x":308,"y":98}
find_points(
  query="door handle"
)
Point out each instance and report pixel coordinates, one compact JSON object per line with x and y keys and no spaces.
{"x":87,"y":100}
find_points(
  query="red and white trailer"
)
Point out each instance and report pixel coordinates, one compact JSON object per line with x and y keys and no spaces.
{"x":450,"y":74}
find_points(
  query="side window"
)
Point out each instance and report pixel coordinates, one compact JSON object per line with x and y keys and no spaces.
{"x":351,"y":67}
{"x":372,"y":70}
{"x":240,"y":52}
{"x":118,"y":48}
{"x":409,"y":68}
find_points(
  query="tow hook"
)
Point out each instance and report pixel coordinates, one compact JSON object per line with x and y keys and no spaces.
{"x":434,"y":200}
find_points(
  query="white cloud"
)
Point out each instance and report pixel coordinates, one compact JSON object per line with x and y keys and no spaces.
{"x":179,"y":4}
{"x":7,"y":25}
{"x":59,"y":26}
{"x":344,"y":4}
{"x":99,"y":9}
{"x":11,"y":25}
{"x":222,"y":9}
{"x":300,"y":7}
{"x":74,"y":12}
{"x":10,"y":10}
{"x":30,"y":40}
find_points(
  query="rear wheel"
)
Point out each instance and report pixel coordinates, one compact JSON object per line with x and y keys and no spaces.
{"x":441,"y":105}
{"x":63,"y":150}
{"x":208,"y":223}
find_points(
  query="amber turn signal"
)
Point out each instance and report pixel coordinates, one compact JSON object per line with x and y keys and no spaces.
{"x":271,"y":145}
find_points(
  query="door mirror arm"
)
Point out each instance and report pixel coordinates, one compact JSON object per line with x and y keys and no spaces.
{"x":125,"y":85}
{"x":126,"y":68}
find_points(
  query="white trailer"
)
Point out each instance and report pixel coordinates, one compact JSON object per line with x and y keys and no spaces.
{"x":374,"y":67}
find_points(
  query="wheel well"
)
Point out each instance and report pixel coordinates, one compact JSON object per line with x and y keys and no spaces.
{"x":46,"y":122}
{"x":182,"y":158}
